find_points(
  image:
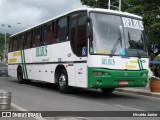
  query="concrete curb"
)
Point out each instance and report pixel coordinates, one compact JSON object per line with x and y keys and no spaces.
{"x":138,"y":91}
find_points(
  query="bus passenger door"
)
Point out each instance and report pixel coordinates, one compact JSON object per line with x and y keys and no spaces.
{"x":81,"y":75}
{"x":79,"y":47}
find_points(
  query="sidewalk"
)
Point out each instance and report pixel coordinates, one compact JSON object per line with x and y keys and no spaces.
{"x":139,"y":90}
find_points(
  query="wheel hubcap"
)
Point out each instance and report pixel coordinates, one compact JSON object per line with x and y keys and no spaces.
{"x":62,"y":80}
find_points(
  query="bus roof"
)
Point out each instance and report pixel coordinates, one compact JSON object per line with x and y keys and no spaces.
{"x":83,"y":9}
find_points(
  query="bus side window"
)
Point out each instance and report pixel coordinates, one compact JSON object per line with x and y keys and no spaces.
{"x":11,"y":44}
{"x":25,"y":41}
{"x":49,"y":33}
{"x":78,"y":35}
{"x":81,"y":41}
{"x":73,"y":33}
{"x":29,"y":39}
{"x":21,"y":40}
{"x":37,"y":37}
{"x":15,"y":43}
{"x":61,"y":29}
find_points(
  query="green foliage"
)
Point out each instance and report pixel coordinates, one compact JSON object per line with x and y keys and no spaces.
{"x":154,"y":78}
{"x":157,"y":58}
{"x":2,"y":39}
{"x":1,"y":42}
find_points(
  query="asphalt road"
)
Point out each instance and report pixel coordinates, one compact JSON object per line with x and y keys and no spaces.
{"x":39,"y":96}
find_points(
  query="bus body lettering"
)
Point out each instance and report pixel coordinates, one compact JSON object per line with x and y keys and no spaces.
{"x":41,"y":51}
{"x":108,"y":61}
{"x":132,"y":23}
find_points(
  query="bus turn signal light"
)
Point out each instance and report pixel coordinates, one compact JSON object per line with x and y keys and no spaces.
{"x":100,"y":73}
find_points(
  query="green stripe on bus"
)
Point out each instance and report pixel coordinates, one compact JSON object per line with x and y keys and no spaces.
{"x":23,"y":70}
{"x":25,"y":67}
{"x":139,"y":64}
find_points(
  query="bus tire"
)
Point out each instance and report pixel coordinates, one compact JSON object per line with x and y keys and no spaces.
{"x":107,"y":90}
{"x":63,"y":82}
{"x":20,"y":76}
{"x":28,"y":81}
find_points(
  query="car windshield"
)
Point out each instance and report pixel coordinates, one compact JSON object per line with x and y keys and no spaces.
{"x":3,"y":65}
{"x":117,"y":35}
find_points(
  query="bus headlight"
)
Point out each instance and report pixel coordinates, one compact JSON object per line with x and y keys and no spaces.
{"x":97,"y":73}
{"x":106,"y":74}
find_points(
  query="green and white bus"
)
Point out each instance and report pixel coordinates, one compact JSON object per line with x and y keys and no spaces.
{"x":87,"y":48}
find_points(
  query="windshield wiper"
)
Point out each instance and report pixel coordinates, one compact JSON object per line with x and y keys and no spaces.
{"x":138,"y":54}
{"x":114,"y":47}
{"x":119,"y":39}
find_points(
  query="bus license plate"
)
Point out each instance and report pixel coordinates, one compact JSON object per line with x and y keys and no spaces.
{"x":123,"y":82}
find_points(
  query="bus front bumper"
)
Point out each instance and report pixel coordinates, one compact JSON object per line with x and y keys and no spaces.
{"x":106,"y":78}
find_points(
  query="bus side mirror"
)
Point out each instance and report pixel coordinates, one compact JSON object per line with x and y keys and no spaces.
{"x":88,"y":19}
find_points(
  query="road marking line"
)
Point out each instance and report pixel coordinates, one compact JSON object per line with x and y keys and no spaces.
{"x":129,"y":107}
{"x":22,"y":109}
{"x":18,"y":107}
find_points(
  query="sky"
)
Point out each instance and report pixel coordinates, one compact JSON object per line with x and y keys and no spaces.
{"x":22,"y":14}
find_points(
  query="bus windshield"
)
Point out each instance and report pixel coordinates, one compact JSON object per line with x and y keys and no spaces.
{"x":117,"y":35}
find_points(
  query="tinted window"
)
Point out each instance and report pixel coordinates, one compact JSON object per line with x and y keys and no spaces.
{"x":81,"y":41}
{"x":73,"y":33}
{"x":61,"y":29}
{"x":29,"y":40}
{"x":37,"y":37}
{"x":78,"y":34}
{"x":15,"y":43}
{"x":48,"y":33}
{"x":10,"y":44}
{"x":21,"y":40}
{"x":81,"y":33}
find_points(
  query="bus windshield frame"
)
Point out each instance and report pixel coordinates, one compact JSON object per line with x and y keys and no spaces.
{"x":117,"y":35}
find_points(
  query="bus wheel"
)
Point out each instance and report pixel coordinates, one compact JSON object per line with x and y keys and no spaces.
{"x":63,"y":82}
{"x":107,"y":90}
{"x":28,"y":81}
{"x":20,"y":76}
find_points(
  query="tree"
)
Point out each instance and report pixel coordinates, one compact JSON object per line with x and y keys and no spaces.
{"x":148,"y":9}
{"x":2,"y":41}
